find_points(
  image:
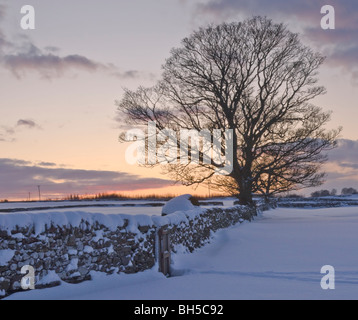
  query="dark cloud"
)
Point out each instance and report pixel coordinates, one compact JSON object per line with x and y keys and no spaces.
{"x":27,"y":123}
{"x":29,"y":58}
{"x":47,"y":164}
{"x":19,"y":177}
{"x":3,"y":43}
{"x":52,"y":49}
{"x":230,"y":8}
{"x":346,"y":153}
{"x":2,"y":11}
{"x":342,"y":167}
{"x":24,"y":56}
{"x":339,"y":45}
{"x":6,"y":138}
{"x":7,"y":134}
{"x":130,"y":74}
{"x":349,"y":165}
{"x":51,"y":65}
{"x":15,"y":162}
{"x":346,"y":57}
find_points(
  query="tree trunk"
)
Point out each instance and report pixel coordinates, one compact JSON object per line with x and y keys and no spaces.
{"x":245,"y":181}
{"x":245,"y":198}
{"x":245,"y":192}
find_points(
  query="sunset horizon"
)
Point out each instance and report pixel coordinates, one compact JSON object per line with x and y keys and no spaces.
{"x":59,"y":87}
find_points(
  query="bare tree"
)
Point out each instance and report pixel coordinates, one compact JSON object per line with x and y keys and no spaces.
{"x":256,"y":78}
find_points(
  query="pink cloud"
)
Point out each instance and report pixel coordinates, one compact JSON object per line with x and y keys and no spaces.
{"x":21,"y":177}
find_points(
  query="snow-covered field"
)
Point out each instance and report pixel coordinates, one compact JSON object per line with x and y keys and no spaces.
{"x":278,"y":256}
{"x":104,"y":207}
{"x":130,"y":207}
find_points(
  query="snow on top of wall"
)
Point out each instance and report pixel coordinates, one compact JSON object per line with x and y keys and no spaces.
{"x":178,"y":217}
{"x":10,"y":221}
{"x":181,"y":203}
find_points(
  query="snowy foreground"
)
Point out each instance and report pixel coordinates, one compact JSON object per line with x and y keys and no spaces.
{"x":278,"y":256}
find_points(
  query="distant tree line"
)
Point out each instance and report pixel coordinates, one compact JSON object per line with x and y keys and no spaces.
{"x":121,"y":197}
{"x":327,"y":193}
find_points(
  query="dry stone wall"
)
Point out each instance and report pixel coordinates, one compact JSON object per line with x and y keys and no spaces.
{"x":197,"y":232}
{"x":69,"y":246}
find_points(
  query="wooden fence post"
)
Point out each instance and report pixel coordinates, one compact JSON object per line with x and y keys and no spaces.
{"x":164,"y":251}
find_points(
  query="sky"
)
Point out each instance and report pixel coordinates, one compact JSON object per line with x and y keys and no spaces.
{"x":59,"y":83}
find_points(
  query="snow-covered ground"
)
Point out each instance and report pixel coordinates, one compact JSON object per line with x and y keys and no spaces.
{"x":278,"y":256}
{"x":104,"y":207}
{"x":130,"y":207}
